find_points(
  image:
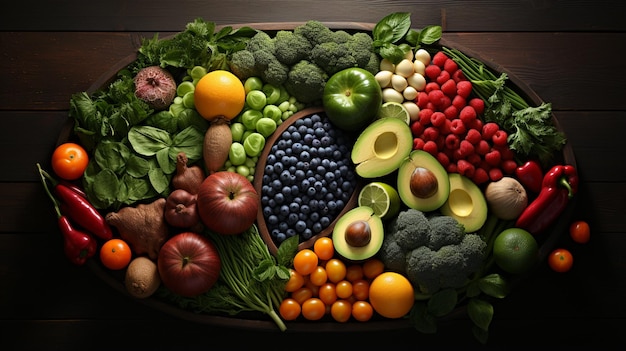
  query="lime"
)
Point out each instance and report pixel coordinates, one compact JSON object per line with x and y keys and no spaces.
{"x":515,"y":250}
{"x":382,"y":198}
{"x":394,"y":110}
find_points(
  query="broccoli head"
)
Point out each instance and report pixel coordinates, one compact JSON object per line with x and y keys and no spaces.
{"x":261,"y":41}
{"x":243,"y":64}
{"x":306,"y":82}
{"x":334,"y":56}
{"x":434,"y":252}
{"x":315,"y":32}
{"x":291,"y":47}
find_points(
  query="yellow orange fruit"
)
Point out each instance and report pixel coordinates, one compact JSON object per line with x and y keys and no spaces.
{"x":391,"y":295}
{"x":219,"y":94}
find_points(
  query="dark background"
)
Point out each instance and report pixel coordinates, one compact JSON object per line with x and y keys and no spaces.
{"x":569,"y":52}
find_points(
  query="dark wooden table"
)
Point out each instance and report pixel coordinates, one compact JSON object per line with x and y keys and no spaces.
{"x":570,"y":53}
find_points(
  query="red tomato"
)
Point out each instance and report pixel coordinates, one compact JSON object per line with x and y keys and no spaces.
{"x":579,"y":232}
{"x":561,"y":260}
{"x":115,"y":254}
{"x":69,"y":161}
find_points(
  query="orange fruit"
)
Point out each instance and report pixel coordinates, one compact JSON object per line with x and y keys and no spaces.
{"x":115,"y":254}
{"x":219,"y":94}
{"x":391,"y":295}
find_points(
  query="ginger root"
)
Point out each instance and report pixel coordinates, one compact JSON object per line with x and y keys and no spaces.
{"x":143,"y":227}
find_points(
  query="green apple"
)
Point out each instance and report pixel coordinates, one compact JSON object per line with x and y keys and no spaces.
{"x":352,"y":98}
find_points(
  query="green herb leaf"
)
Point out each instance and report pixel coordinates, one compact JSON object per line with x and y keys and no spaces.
{"x":480,"y":312}
{"x":147,"y":140}
{"x":430,"y":35}
{"x":287,"y":251}
{"x":494,"y":285}
{"x":442,"y":302}
{"x":392,"y":27}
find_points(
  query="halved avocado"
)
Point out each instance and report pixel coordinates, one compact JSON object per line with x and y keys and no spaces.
{"x":466,"y":203}
{"x":358,"y":234}
{"x":381,"y":147}
{"x":423,"y":183}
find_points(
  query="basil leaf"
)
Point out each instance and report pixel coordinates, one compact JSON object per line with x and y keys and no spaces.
{"x":147,"y":140}
{"x":160,"y":182}
{"x":392,"y":27}
{"x":189,"y":141}
{"x":430,"y":34}
{"x":166,"y":163}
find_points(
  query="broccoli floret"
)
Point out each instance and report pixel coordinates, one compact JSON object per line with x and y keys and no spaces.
{"x":261,"y":41}
{"x":243,"y":64}
{"x":341,"y":36}
{"x":445,"y":230}
{"x":443,"y":257}
{"x":373,"y":65}
{"x":334,"y":56}
{"x":291,"y":47}
{"x":448,"y":267}
{"x":410,"y":229}
{"x":315,"y":32}
{"x":306,"y":82}
{"x":275,"y":73}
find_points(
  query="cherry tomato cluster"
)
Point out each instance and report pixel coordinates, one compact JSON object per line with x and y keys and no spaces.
{"x":449,"y":128}
{"x":561,"y":259}
{"x":324,"y":285}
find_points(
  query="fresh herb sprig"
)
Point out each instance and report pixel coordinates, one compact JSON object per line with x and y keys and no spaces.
{"x":394,"y":37}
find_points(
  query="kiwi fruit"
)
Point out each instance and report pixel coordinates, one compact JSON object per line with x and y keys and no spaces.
{"x":142,"y":277}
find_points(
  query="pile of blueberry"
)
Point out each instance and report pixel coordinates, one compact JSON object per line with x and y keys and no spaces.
{"x":308,"y":178}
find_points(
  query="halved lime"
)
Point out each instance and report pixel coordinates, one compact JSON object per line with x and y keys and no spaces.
{"x":392,"y":109}
{"x":382,"y":198}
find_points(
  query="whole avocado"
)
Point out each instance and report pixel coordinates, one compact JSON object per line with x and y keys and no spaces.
{"x":352,"y":98}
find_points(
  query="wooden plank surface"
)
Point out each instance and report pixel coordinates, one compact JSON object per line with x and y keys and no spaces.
{"x":568,"y":52}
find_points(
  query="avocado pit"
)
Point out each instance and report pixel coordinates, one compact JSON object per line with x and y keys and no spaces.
{"x":423,"y":183}
{"x":358,"y":233}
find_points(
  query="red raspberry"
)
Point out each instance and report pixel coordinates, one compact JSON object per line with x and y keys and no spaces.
{"x":445,"y":128}
{"x":478,"y":105}
{"x":464,"y":88}
{"x":489,"y":129}
{"x":466,"y":148}
{"x":459,"y":102}
{"x":474,"y":159}
{"x":495,"y":174}
{"x":452,"y":141}
{"x":465,"y":168}
{"x":451,"y":112}
{"x":430,"y":134}
{"x":457,"y":127}
{"x":418,"y":143}
{"x":458,"y":76}
{"x":482,"y":148}
{"x":473,"y":136}
{"x":431,"y":147}
{"x":417,"y":128}
{"x":477,"y":124}
{"x":443,"y":158}
{"x":440,"y":59}
{"x":449,"y":88}
{"x":452,"y":168}
{"x":443,"y":77}
{"x":499,"y":138}
{"x":450,"y":66}
{"x":432,"y":71}
{"x":467,"y":115}
{"x":435,"y":96}
{"x":480,"y":176}
{"x":508,"y":166}
{"x":431,"y":86}
{"x":437,"y":119}
{"x":424,"y":116}
{"x":422,"y":99}
{"x":493,"y":158}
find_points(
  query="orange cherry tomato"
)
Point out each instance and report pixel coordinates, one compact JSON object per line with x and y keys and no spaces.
{"x":561,"y":260}
{"x":343,"y":289}
{"x":302,"y":294}
{"x":115,"y":254}
{"x":327,"y":293}
{"x":373,"y":267}
{"x":289,"y":309}
{"x":341,"y":310}
{"x":361,"y":289}
{"x":354,"y":272}
{"x":69,"y":161}
{"x":305,"y":261}
{"x":324,"y":248}
{"x":295,"y":282}
{"x":335,"y":269}
{"x":318,"y":276}
{"x":362,"y":311}
{"x":313,"y":309}
{"x":579,"y":232}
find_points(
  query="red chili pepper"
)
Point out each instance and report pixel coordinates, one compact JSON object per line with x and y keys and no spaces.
{"x":530,"y":176}
{"x":81,"y":211}
{"x":78,"y":245}
{"x":559,"y":185}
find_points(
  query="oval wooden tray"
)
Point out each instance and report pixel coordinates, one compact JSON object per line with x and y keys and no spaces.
{"x":255,"y":321}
